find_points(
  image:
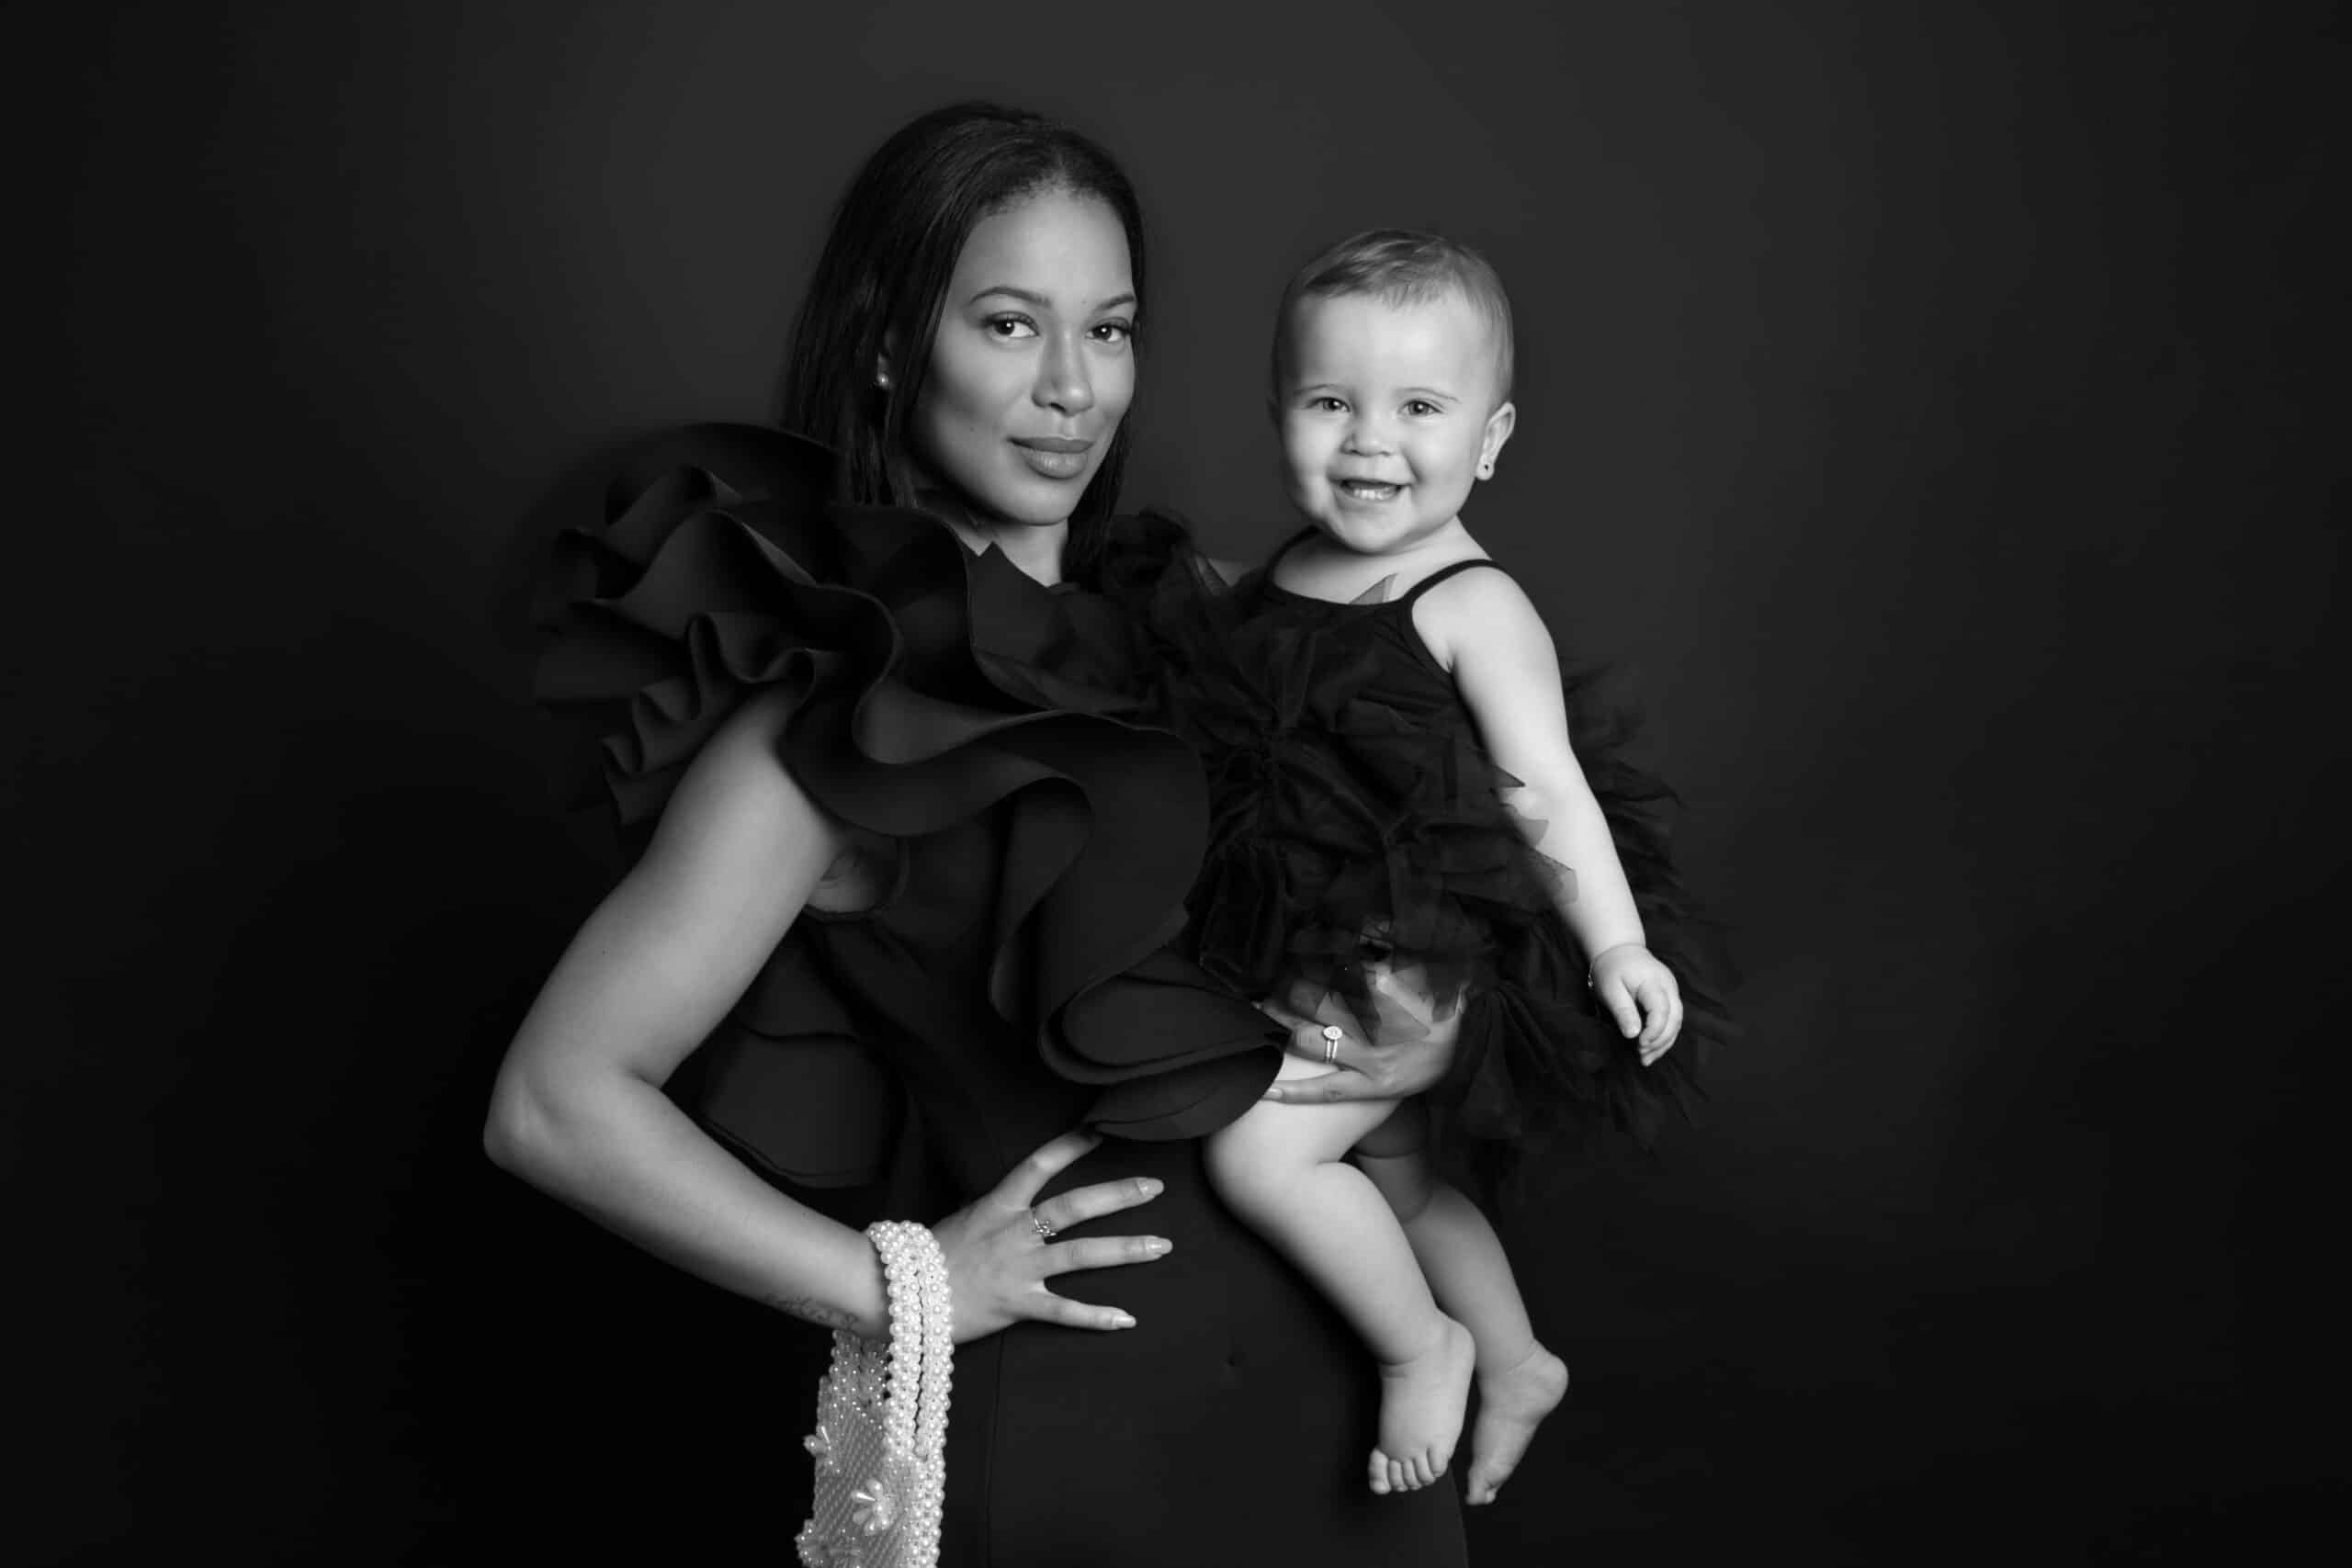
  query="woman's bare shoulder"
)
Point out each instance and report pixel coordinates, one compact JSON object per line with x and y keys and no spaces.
{"x":737,"y":802}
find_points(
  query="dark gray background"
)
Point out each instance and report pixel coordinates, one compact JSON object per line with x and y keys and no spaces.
{"x":1922,"y":405}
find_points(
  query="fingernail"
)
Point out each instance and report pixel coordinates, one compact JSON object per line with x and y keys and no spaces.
{"x":1151,"y":1186}
{"x":1121,"y":1320}
{"x":1155,"y":1245}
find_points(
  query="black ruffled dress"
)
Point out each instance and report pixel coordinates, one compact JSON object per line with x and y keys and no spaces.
{"x":981,"y":733}
{"x":1355,"y":817}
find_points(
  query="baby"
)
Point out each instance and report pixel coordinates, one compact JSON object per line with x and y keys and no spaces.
{"x":1397,"y":801}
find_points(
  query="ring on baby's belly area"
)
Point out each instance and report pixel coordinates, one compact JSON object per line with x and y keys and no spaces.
{"x":1331,"y":1044}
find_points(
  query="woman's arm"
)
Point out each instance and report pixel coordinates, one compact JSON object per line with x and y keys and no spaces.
{"x":578,"y":1108}
{"x":1482,"y":625}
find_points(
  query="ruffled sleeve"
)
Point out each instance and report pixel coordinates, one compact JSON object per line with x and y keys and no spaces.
{"x":926,"y":686}
{"x":691,"y":595}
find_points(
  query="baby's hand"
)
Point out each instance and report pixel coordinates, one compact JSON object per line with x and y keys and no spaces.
{"x":1641,"y":995}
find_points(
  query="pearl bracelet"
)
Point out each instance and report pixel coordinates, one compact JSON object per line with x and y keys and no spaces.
{"x":881,"y":1437}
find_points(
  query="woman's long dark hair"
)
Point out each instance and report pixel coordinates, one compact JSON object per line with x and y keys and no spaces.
{"x":895,"y":238}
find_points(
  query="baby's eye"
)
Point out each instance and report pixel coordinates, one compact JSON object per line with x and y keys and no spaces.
{"x":1421,"y":407}
{"x":1325,"y":404}
{"x":1010,"y":327}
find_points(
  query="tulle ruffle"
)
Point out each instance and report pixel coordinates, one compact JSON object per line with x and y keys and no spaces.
{"x":926,"y":686}
{"x":1359,"y":829}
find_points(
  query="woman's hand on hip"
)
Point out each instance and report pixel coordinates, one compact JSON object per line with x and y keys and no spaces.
{"x":1409,"y":1051}
{"x":999,"y":1254}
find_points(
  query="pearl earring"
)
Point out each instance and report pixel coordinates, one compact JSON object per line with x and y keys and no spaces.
{"x":882,"y":378}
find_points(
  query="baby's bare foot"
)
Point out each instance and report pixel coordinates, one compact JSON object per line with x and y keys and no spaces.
{"x":1421,"y":1403}
{"x":1510,"y":1404}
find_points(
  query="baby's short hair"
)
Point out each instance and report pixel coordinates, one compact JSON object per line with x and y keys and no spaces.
{"x":1402,"y":267}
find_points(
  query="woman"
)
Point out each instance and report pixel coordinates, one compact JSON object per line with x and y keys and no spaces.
{"x":911,"y":871}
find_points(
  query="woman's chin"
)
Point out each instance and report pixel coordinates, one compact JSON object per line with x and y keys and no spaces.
{"x":1033,"y":502}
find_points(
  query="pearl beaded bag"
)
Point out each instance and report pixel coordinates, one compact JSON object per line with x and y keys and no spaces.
{"x":881,"y":1436}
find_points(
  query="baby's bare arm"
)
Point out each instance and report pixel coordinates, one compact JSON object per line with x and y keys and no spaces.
{"x":1482,"y":624}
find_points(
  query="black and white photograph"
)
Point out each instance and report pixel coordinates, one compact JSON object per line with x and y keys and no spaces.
{"x":922,"y":785}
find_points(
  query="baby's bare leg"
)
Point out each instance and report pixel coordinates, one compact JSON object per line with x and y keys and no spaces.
{"x":1520,"y":1382}
{"x":1281,"y":1168}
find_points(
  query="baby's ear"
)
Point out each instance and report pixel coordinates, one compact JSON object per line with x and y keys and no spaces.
{"x":1499,"y":424}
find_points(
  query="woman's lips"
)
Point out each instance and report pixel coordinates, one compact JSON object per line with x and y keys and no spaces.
{"x":1054,"y":456}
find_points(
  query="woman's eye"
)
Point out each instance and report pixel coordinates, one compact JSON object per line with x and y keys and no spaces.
{"x":1010,"y":327}
{"x":1114,"y":332}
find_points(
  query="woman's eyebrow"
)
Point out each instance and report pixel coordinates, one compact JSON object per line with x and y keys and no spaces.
{"x":1031,"y":297}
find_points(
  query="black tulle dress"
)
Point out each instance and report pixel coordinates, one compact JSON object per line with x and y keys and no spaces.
{"x":1356,"y":818}
{"x":1016,"y":979}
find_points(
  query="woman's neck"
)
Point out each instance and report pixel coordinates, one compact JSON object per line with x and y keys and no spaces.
{"x":1035,"y":548}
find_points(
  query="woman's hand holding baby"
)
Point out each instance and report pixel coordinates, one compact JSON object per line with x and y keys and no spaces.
{"x":1409,"y":1051}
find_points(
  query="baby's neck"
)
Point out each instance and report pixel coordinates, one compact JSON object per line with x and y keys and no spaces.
{"x":1322,"y":568}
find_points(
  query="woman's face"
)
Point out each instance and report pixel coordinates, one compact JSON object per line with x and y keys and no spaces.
{"x":1033,"y":365}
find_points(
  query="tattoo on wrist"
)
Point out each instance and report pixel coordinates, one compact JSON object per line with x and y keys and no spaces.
{"x":810,"y":1310}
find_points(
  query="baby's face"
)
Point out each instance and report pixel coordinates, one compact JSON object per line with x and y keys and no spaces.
{"x":1385,"y":413}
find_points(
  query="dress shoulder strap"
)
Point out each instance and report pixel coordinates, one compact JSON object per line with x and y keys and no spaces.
{"x":1441,"y":574}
